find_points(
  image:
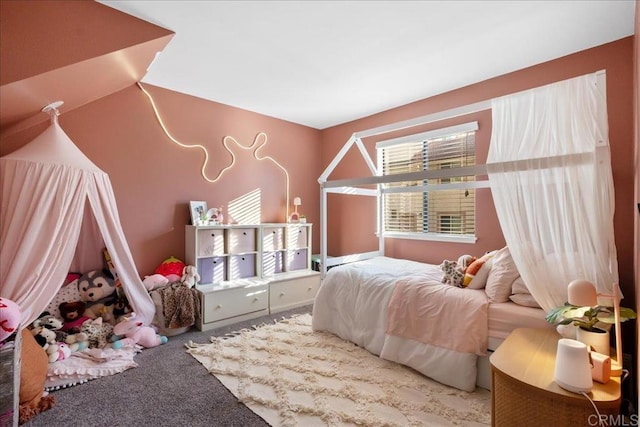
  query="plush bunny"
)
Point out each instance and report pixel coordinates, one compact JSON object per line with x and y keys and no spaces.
{"x":135,"y":332}
{"x":190,"y":276}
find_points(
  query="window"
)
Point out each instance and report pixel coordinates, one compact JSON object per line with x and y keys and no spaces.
{"x":437,"y":203}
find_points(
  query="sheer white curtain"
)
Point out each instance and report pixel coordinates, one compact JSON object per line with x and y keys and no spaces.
{"x":550,"y":173}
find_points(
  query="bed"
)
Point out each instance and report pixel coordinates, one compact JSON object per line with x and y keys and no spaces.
{"x":403,"y":312}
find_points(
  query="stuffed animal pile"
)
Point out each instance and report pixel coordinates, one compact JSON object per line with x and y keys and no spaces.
{"x":47,"y":332}
{"x":454,"y":271}
{"x":97,"y":331}
{"x":58,"y":345}
{"x":97,"y":291}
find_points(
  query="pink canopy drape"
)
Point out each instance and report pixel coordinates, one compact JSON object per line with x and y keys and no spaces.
{"x":58,"y":210}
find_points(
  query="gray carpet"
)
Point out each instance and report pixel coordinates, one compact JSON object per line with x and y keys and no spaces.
{"x":168,"y":388}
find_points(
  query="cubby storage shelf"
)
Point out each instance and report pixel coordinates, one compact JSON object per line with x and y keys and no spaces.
{"x":250,"y":270}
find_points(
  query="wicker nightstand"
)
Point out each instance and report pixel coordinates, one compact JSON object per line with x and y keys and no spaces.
{"x":523,"y":391}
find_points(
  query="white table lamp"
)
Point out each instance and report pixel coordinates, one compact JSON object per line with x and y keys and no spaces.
{"x":582,"y":293}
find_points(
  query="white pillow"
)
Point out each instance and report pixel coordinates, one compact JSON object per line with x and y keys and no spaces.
{"x":524,"y":299}
{"x":475,"y":276}
{"x":521,"y":295}
{"x":501,"y":276}
{"x":518,"y":286}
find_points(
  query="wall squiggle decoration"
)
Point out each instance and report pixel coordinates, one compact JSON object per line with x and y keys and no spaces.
{"x":225,"y":141}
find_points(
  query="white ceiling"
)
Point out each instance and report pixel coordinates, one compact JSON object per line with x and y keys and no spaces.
{"x":322,"y":63}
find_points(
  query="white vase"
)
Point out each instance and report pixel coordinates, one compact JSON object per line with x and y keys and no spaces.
{"x":598,"y":339}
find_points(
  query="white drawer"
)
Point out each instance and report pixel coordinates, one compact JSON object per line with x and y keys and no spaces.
{"x":272,"y":239}
{"x":242,"y":240}
{"x":294,"y":291}
{"x":227,"y":303}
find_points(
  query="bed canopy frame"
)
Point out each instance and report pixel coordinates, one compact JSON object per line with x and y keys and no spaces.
{"x":354,"y":186}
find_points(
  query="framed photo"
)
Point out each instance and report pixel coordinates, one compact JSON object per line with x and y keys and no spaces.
{"x":197,"y":208}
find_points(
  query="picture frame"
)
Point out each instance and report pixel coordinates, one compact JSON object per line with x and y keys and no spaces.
{"x":197,"y":208}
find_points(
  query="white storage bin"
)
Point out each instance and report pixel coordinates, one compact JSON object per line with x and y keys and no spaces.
{"x":272,"y":263}
{"x":242,"y":266}
{"x":210,"y":242}
{"x":297,"y":237}
{"x":241,"y":240}
{"x":297,"y":260}
{"x":212,"y":270}
{"x":272,"y":239}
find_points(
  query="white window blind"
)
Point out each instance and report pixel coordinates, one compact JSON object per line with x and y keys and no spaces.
{"x":440,"y":205}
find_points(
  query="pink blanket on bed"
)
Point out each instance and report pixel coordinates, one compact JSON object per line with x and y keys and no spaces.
{"x":438,"y":314}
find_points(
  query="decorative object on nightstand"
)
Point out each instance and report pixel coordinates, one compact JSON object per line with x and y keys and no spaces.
{"x":573,"y":369}
{"x":583,"y":311}
{"x":525,"y":393}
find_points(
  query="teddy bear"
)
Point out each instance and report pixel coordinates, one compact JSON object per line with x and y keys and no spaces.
{"x":44,"y":337}
{"x":73,"y":316}
{"x":96,"y":288}
{"x":135,"y":332}
{"x":49,"y":321}
{"x":190,"y":276}
{"x":453,"y":274}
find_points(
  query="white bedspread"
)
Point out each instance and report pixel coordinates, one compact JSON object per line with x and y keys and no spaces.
{"x":352,"y":303}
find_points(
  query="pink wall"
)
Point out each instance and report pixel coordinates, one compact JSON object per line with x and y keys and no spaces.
{"x":351,"y":217}
{"x":43,"y":35}
{"x":154,"y":179}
